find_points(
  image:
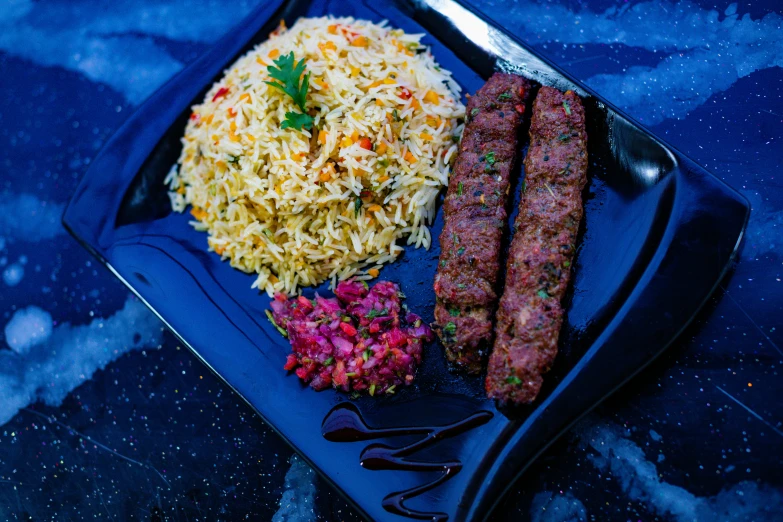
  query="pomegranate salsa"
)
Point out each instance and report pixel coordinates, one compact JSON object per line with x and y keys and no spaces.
{"x":362,"y":340}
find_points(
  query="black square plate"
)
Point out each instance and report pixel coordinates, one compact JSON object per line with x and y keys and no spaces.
{"x":659,"y":234}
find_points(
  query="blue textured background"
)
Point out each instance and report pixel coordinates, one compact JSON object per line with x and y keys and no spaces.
{"x":103,"y":416}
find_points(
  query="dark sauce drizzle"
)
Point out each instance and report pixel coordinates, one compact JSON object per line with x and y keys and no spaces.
{"x":345,"y":424}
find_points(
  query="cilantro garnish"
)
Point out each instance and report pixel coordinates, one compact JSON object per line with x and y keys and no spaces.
{"x":296,"y":121}
{"x":513,"y":380}
{"x":377,"y":313}
{"x":288,"y":73}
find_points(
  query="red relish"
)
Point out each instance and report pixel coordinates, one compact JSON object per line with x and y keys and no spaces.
{"x":362,"y":340}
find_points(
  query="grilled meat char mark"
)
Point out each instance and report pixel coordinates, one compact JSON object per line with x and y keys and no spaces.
{"x":542,"y":249}
{"x":475,"y":216}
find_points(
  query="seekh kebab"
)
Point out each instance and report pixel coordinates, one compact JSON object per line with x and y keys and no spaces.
{"x":475,"y":215}
{"x":542,"y":249}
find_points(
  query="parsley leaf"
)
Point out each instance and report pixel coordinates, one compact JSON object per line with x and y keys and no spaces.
{"x":296,"y":121}
{"x":357,"y":205}
{"x":490,"y":157}
{"x":505,"y":96}
{"x":288,"y":74}
{"x":513,"y":380}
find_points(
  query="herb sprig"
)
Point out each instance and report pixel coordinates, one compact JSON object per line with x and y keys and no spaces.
{"x":291,"y":81}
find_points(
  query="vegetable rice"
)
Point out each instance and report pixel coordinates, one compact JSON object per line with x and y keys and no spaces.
{"x":329,"y":200}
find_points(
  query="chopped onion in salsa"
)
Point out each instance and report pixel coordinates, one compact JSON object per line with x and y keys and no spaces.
{"x":362,"y":340}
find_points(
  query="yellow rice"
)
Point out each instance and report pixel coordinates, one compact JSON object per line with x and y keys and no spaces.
{"x":283,"y":203}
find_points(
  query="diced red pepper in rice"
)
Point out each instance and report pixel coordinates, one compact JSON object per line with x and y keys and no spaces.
{"x":221,"y":92}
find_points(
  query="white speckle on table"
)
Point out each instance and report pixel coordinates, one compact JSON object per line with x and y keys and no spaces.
{"x":696,"y":60}
{"x":13,"y":274}
{"x":114,"y":46}
{"x":49,"y":369}
{"x":28,"y":327}
{"x":638,"y":478}
{"x":298,"y":501}
{"x":552,"y":507}
{"x":25,"y":217}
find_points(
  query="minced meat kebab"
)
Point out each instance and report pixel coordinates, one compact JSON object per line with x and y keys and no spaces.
{"x":539,"y":261}
{"x":475,"y":219}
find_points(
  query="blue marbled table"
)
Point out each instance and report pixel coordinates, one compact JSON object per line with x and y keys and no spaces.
{"x":104,"y":416}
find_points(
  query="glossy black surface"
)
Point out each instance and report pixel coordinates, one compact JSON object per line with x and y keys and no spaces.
{"x":655,"y":223}
{"x":345,"y":424}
